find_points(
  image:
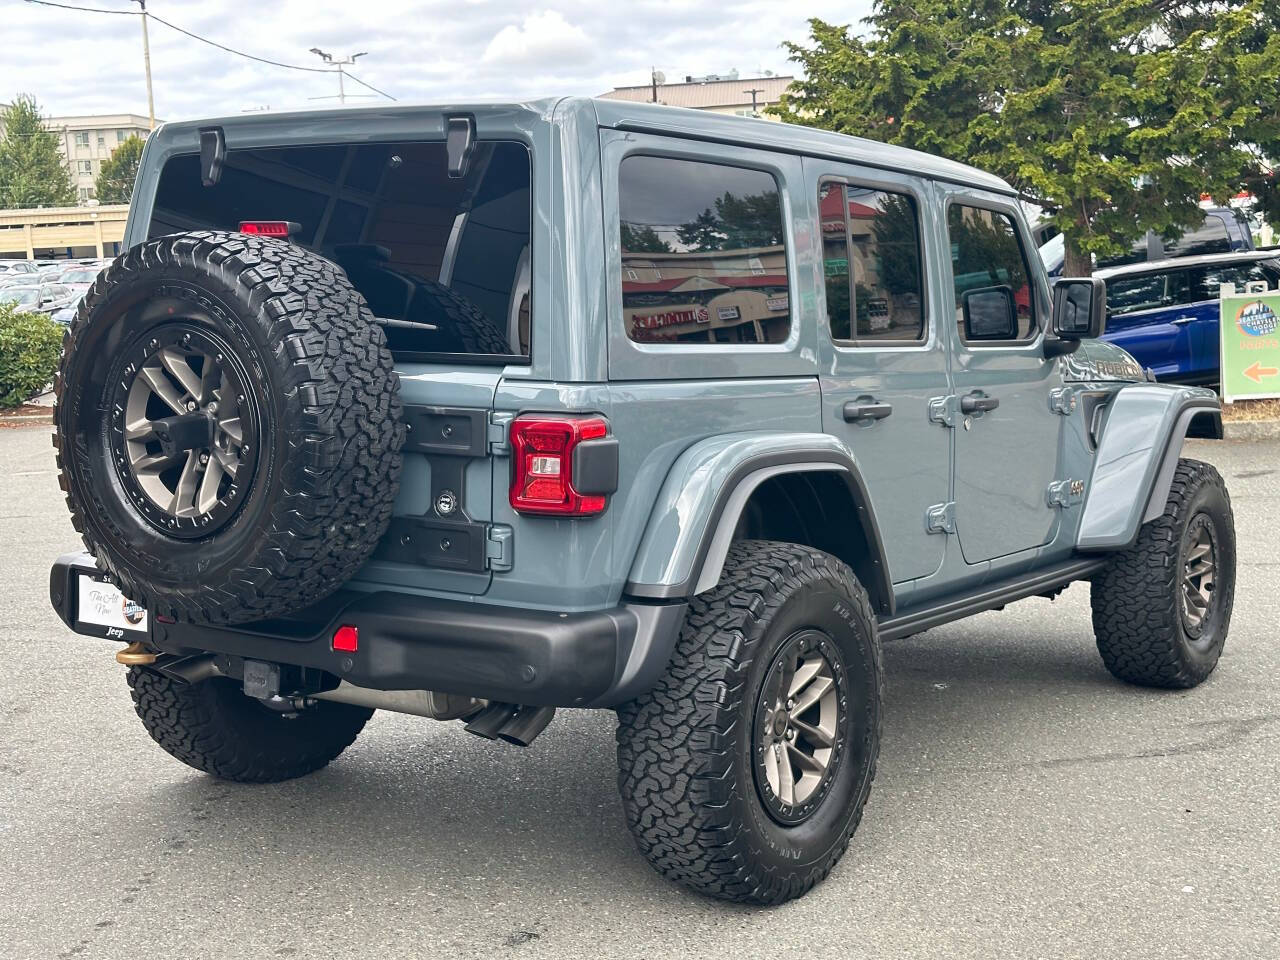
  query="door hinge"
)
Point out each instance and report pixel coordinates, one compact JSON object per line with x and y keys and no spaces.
{"x":1064,"y":493}
{"x":498,"y":551}
{"x":941,"y":518}
{"x":943,"y":410}
{"x":1062,"y":400}
{"x":499,"y":432}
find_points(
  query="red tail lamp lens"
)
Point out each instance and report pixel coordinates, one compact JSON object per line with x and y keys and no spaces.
{"x":346,"y":639}
{"x":542,"y":455}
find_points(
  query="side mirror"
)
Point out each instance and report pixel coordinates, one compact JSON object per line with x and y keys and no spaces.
{"x":990,"y":313}
{"x":1079,"y":313}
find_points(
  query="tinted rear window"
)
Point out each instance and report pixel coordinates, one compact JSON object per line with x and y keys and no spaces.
{"x":443,"y":263}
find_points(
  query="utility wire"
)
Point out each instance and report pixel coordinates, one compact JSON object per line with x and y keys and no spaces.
{"x":212,"y":43}
{"x":352,"y":76}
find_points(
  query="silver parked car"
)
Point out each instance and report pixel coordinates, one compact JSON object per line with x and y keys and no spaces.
{"x":38,"y":297}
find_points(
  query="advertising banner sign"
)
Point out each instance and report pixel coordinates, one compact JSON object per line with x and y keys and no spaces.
{"x":1249,"y":336}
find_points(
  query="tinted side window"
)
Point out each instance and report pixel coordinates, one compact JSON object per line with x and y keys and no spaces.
{"x":1216,"y":274}
{"x":871,"y":256}
{"x":1148,"y":291}
{"x":703,"y":253}
{"x":987,"y":261}
{"x":1209,"y":237}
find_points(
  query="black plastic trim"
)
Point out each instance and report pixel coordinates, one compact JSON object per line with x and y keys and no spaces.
{"x":881,"y":587}
{"x":451,"y":431}
{"x":411,"y":642}
{"x":1025,"y":585}
{"x":595,"y":466}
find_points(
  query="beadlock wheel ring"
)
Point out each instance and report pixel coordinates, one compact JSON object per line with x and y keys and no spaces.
{"x":799,"y":726}
{"x":183,"y":429}
{"x":1199,"y":575}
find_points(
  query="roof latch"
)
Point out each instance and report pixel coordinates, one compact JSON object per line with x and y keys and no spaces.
{"x":213,"y":151}
{"x":460,"y":141}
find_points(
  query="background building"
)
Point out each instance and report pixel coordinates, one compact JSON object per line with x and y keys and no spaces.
{"x":718,"y":94}
{"x":86,"y":142}
{"x":60,"y":232}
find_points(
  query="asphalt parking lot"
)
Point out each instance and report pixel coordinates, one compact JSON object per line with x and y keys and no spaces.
{"x":1027,"y":805}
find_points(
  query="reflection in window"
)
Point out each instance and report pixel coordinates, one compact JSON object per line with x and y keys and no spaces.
{"x":872,"y":237}
{"x":985,"y":253}
{"x":1147,"y":291}
{"x":703,"y":256}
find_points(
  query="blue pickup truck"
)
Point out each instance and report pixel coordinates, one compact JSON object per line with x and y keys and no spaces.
{"x":1165,"y":313}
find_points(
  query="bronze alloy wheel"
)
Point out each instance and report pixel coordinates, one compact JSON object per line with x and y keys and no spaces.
{"x":799,"y":716}
{"x":1199,"y":568}
{"x":184,"y":430}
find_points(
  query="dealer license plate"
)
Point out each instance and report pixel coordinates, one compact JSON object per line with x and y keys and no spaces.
{"x":106,"y":611}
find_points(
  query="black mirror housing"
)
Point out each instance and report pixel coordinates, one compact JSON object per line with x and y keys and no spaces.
{"x":990,"y":313}
{"x":1079,"y":308}
{"x":1079,"y":313}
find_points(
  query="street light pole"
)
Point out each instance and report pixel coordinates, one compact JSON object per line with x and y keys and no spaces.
{"x":753,"y":91}
{"x":146,"y":61}
{"x":345,"y":62}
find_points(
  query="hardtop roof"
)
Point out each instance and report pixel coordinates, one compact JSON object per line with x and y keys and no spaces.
{"x":747,"y":132}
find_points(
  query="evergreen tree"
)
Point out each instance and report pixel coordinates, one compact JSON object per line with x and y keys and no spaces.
{"x":31,"y":169}
{"x":1115,"y":116}
{"x":115,"y":179}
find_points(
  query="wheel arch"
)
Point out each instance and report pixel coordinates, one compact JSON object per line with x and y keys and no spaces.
{"x":799,"y":488}
{"x":1138,"y":450}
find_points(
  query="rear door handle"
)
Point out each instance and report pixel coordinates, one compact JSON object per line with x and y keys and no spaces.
{"x":1182,"y":321}
{"x":866,"y":408}
{"x":978,"y":403}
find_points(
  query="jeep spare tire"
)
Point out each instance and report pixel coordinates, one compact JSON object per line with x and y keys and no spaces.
{"x":228,"y":426}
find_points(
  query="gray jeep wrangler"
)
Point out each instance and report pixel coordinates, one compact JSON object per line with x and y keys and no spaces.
{"x":477,"y":412}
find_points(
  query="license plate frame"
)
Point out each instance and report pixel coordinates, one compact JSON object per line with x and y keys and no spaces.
{"x":103,"y":611}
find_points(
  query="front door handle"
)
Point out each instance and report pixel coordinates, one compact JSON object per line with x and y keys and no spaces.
{"x":1182,"y":321}
{"x":978,"y":403}
{"x":866,"y":408}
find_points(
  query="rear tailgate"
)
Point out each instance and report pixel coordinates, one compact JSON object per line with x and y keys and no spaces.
{"x":441,"y":536}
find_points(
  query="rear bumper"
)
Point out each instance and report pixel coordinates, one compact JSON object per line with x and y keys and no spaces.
{"x":408,"y":642}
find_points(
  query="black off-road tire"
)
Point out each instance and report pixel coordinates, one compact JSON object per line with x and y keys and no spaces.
{"x":1139,"y":606}
{"x":463,"y":322}
{"x":214,"y":727}
{"x":317,"y":377}
{"x":689,"y":786}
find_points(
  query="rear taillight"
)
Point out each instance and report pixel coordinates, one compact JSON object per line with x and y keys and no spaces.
{"x":542,"y":453}
{"x":270,"y":228}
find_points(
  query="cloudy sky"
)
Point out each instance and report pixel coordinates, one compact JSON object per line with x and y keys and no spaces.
{"x":79,"y":62}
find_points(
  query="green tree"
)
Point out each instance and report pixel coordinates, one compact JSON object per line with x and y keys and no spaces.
{"x":115,"y":179}
{"x":1112,"y":115}
{"x":31,"y":170}
{"x":642,"y":239}
{"x":753,"y":220}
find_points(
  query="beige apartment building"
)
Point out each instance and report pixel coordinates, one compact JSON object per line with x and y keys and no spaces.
{"x":730,"y":95}
{"x":86,"y":142}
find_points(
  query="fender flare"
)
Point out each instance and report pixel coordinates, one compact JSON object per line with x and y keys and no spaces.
{"x":1137,"y":454}
{"x":690,"y":530}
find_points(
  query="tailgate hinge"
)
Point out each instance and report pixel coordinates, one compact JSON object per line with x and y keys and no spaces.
{"x":498,"y":552}
{"x":1064,"y":493}
{"x":1062,"y":400}
{"x":943,"y":410}
{"x":941,"y":518}
{"x":500,"y":432}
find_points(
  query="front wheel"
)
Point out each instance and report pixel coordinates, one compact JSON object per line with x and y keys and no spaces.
{"x":1161,"y":609}
{"x":746,"y":768}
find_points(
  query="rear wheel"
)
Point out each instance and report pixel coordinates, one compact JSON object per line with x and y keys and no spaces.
{"x":1161,"y":609}
{"x":212,"y":726}
{"x":746,"y":768}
